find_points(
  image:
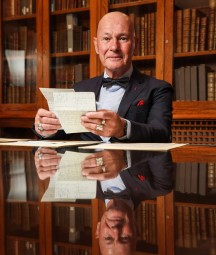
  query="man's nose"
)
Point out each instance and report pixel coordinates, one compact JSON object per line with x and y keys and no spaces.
{"x":114,"y":44}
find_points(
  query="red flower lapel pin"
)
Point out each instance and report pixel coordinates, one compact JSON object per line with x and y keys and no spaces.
{"x":141,"y":102}
{"x":141,"y":177}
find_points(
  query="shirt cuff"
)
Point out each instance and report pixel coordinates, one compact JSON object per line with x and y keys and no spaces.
{"x":128,"y":131}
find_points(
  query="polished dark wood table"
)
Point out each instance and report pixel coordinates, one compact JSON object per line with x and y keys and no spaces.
{"x":51,"y":201}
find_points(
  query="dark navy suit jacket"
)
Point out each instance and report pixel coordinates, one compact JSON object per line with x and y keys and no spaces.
{"x":147,"y":103}
{"x":150,"y":175}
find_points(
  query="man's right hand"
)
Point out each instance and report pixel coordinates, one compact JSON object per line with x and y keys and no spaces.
{"x":46,"y":123}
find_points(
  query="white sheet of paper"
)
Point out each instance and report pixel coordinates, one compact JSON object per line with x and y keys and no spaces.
{"x":69,"y":184}
{"x":47,"y":143}
{"x":48,"y":94}
{"x":69,"y":107}
{"x":5,"y":140}
{"x":49,"y":195}
{"x":135,"y":146}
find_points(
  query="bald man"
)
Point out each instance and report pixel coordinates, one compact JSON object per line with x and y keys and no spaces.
{"x":131,"y":107}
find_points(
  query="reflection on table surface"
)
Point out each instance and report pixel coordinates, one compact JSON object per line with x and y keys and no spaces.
{"x":66,"y":201}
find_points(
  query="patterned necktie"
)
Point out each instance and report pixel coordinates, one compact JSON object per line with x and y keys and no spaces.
{"x":108,"y":82}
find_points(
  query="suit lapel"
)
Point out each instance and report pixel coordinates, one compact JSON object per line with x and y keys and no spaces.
{"x":95,"y":86}
{"x":131,"y":93}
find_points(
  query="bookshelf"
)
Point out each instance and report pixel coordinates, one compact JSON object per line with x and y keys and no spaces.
{"x":194,"y":209}
{"x":190,"y":53}
{"x":34,"y":37}
{"x":21,"y":65}
{"x":31,"y":226}
{"x":20,"y":204}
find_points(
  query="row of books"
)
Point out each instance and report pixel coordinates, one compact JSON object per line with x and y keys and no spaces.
{"x":193,"y":177}
{"x":194,"y":132}
{"x":73,"y":224}
{"x":195,"y":30}
{"x":64,"y":76}
{"x":19,"y":7}
{"x":146,"y":218}
{"x":65,"y":250}
{"x":147,"y":71}
{"x":145,"y":30}
{"x":19,"y":82}
{"x":195,"y":226}
{"x":20,"y":176}
{"x":57,"y":5}
{"x":22,"y":247}
{"x":20,"y":39}
{"x":195,"y":83}
{"x":70,"y":36}
{"x":22,"y":218}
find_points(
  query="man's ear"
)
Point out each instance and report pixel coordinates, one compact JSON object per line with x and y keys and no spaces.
{"x":96,"y":45}
{"x":97,"y":230}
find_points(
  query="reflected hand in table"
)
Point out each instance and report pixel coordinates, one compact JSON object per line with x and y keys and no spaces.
{"x":47,"y":162}
{"x":103,"y":165}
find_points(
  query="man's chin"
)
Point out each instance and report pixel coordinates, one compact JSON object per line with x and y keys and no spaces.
{"x":116,"y":68}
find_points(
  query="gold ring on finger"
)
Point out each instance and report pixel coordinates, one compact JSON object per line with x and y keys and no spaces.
{"x":40,"y":127}
{"x":103,"y":168}
{"x":99,"y":127}
{"x":99,"y":161}
{"x":40,"y":155}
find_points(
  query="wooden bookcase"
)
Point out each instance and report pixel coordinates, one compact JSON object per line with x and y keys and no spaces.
{"x":21,"y":61}
{"x":194,"y":212}
{"x":193,"y":120}
{"x":31,"y":226}
{"x":22,"y":228}
{"x":52,"y":64}
{"x":49,"y":63}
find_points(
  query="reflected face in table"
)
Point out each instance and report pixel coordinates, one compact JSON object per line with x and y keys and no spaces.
{"x":116,"y":231}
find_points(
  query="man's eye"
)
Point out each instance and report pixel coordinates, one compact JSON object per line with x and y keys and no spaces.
{"x":123,"y":38}
{"x":125,"y":239}
{"x":108,"y":238}
{"x":106,"y":39}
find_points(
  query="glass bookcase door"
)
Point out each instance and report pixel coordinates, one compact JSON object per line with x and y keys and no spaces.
{"x":21,"y":205}
{"x":72,"y":229}
{"x":69,"y":43}
{"x":19,"y":52}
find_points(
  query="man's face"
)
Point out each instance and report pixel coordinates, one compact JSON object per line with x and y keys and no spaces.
{"x":116,"y":231}
{"x":115,"y":44}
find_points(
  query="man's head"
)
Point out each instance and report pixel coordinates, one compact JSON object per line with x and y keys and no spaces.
{"x":117,"y":232}
{"x":115,"y":43}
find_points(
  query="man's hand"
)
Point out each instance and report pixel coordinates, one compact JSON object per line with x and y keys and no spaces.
{"x":103,"y":165}
{"x":104,"y":123}
{"x":47,"y":162}
{"x":46,"y":123}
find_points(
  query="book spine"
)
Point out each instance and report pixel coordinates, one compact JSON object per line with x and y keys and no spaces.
{"x":211,"y":86}
{"x":211,"y":25}
{"x":186,"y":29}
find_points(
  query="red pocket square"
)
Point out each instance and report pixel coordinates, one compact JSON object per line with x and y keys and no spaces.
{"x":140,"y":103}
